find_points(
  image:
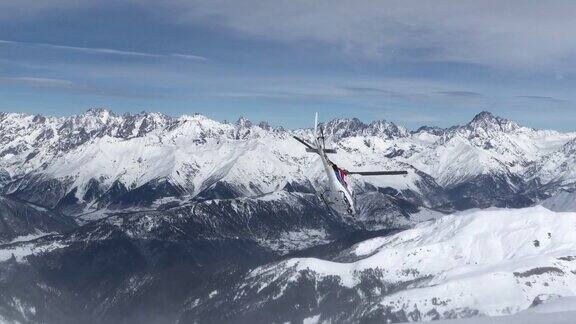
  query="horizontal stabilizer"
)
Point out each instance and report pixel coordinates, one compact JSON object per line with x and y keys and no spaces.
{"x":327,"y":151}
{"x":370,"y":173}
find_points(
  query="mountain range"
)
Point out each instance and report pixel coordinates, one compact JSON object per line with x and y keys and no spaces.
{"x":151,"y":218}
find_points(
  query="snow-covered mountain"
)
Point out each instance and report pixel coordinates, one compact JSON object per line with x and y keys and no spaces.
{"x":480,"y":263}
{"x":556,"y":310}
{"x":151,"y":218}
{"x":83,"y":163}
{"x":87,"y":165}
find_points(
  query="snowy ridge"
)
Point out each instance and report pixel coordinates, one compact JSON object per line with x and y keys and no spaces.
{"x":487,"y":144}
{"x":557,"y":310}
{"x":558,"y":166}
{"x":192,"y":153}
{"x":342,"y":127}
{"x":99,"y":153}
{"x":444,"y":266}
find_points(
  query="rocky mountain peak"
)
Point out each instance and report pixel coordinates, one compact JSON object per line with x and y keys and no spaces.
{"x":570,"y":147}
{"x":344,"y":127}
{"x":484,"y":116}
{"x":434,"y":130}
{"x":39,"y":119}
{"x":383,"y":128}
{"x":242,"y":122}
{"x":264,"y":125}
{"x":102,"y":113}
{"x":487,"y":121}
{"x":348,"y":127}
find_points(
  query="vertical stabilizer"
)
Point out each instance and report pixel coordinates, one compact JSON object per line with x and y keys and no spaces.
{"x":315,"y":136}
{"x":315,"y":123}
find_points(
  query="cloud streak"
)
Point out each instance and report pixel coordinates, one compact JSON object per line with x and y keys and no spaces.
{"x":460,"y":94}
{"x":508,"y":34}
{"x":530,"y":34}
{"x":370,"y":90}
{"x":63,"y":85}
{"x":496,"y":33}
{"x":543,"y":99}
{"x":106,"y":51}
{"x":37,"y":81}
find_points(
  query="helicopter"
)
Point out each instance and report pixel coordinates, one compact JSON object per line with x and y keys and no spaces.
{"x":337,"y":193}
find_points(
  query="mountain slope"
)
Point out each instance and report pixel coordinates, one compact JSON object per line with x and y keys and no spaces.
{"x":76,"y":164}
{"x":46,"y":162}
{"x":20,"y":220}
{"x":487,"y":145}
{"x":563,"y":201}
{"x":153,"y":261}
{"x":147,"y":217}
{"x":557,"y":167}
{"x":436,"y":270}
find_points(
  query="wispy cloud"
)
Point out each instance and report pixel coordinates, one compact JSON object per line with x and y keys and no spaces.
{"x":495,"y":33}
{"x":188,"y":56}
{"x":384,"y":93}
{"x":108,"y":51}
{"x":543,"y":99}
{"x":74,"y":87}
{"x":36,"y":81}
{"x":460,"y":94}
{"x":370,"y":90}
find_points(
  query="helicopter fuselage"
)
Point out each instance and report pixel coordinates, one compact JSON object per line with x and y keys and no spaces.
{"x":336,"y":195}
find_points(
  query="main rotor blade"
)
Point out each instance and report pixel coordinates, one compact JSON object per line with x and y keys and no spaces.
{"x":327,"y":151}
{"x":371,"y":173}
{"x":305,"y":143}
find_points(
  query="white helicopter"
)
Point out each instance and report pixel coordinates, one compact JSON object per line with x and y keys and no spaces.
{"x":337,"y":195}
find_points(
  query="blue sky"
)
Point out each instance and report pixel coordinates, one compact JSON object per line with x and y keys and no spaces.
{"x":411,"y":62}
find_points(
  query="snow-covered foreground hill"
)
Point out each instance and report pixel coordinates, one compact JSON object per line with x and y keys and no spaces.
{"x":557,"y":311}
{"x":476,"y":263}
{"x":219,"y":269}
